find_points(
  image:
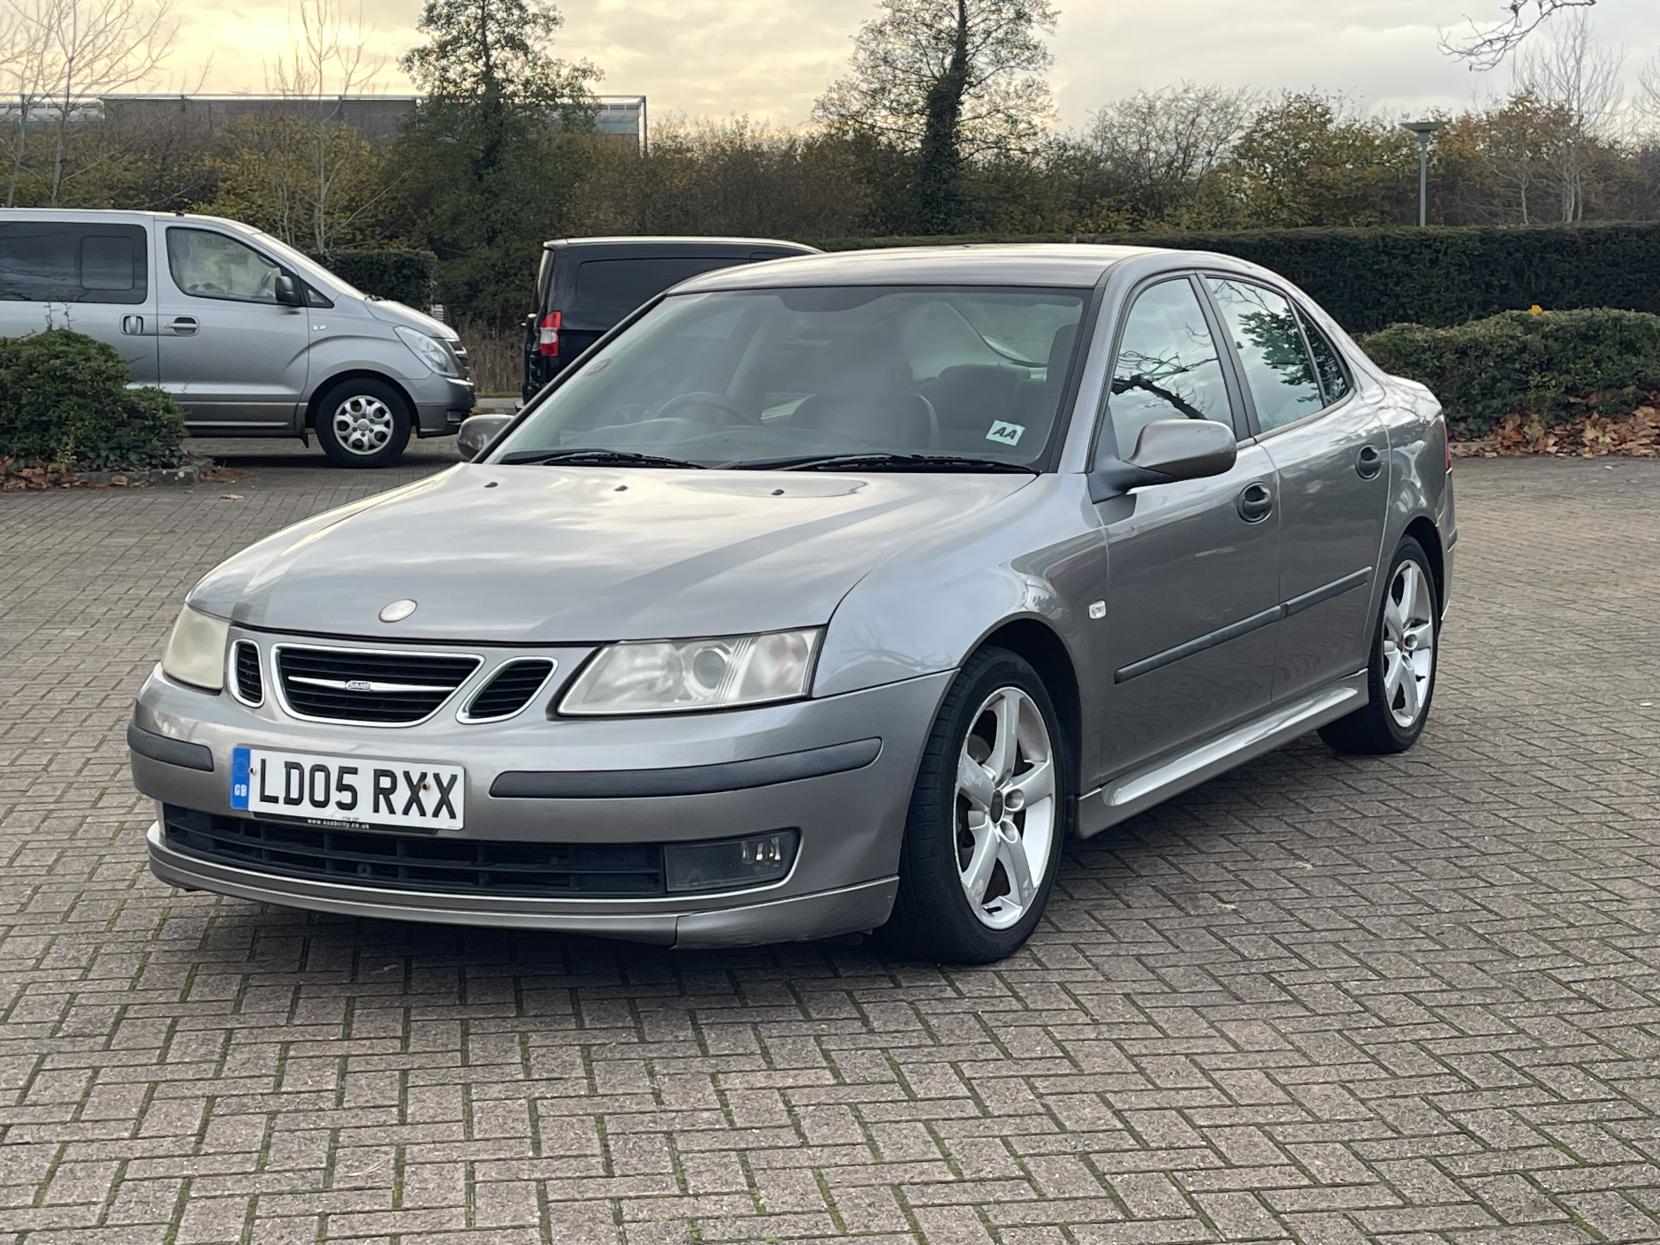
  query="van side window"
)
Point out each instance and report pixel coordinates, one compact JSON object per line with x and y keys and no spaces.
{"x":205,"y":264}
{"x":44,"y":262}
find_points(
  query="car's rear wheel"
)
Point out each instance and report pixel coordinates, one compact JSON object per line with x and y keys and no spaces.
{"x":363,"y":423}
{"x":1401,"y":678}
{"x":991,"y":808}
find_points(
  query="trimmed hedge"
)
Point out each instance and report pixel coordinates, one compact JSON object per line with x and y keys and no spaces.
{"x":1555,"y":365}
{"x":65,"y":401}
{"x":1368,"y":278}
{"x":402,"y":275}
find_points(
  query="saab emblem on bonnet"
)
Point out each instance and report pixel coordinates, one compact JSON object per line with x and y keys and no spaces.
{"x":397,"y":611}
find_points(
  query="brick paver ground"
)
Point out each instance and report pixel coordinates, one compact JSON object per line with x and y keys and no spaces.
{"x":1322,"y":1000}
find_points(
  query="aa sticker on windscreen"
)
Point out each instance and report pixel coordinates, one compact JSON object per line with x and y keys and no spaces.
{"x":1006,"y":433}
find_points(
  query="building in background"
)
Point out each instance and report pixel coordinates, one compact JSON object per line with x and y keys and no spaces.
{"x":376,"y":115}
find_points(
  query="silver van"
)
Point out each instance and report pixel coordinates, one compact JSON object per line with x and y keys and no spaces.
{"x":251,"y":337}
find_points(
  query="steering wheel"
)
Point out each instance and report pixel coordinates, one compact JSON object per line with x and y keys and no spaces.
{"x":734,"y":413}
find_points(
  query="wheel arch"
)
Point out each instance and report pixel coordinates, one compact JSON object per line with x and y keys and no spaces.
{"x":1423,"y":530}
{"x":315,"y":403}
{"x":1041,"y":645}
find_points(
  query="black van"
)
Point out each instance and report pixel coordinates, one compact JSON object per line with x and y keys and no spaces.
{"x":586,"y":285}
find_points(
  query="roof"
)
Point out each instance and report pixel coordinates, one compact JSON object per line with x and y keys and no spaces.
{"x":1043,"y":264}
{"x":650,"y":241}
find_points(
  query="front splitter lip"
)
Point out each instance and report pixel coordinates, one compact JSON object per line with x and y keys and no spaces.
{"x":820,"y":914}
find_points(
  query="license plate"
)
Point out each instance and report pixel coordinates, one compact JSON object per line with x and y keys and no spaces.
{"x":350,"y":791}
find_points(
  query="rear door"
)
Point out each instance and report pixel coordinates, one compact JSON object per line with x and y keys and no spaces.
{"x":90,"y":275}
{"x":229,"y":352}
{"x":1328,"y":445}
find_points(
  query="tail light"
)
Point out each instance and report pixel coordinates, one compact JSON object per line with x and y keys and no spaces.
{"x":1446,"y":442}
{"x":547,"y":335}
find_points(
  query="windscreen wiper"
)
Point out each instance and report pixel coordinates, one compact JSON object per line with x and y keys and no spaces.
{"x":596,"y":458}
{"x":881,"y":462}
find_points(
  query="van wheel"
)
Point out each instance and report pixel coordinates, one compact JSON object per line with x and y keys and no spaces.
{"x":991,"y":808}
{"x":363,"y":423}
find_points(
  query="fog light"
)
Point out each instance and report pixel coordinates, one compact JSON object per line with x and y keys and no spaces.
{"x":729,"y":863}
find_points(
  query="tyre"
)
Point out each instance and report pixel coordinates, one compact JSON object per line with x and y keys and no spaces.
{"x":991,"y":807}
{"x":362,"y":422}
{"x":1401,"y":677}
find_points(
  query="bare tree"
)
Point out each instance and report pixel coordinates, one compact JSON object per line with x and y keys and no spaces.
{"x":327,"y":61}
{"x":23,"y":43}
{"x":1486,"y":46}
{"x":1158,"y":144}
{"x":88,"y":48}
{"x":1580,"y":79}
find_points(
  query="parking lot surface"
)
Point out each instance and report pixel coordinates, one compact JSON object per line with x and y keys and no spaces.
{"x":1322,"y":999}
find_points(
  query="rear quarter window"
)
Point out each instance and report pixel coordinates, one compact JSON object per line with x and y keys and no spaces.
{"x":49,"y":262}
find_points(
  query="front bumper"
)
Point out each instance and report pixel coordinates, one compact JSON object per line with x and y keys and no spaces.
{"x":838,"y":769}
{"x":441,"y":403}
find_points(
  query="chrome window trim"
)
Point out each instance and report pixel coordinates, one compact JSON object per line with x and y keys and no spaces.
{"x":464,"y":714}
{"x":282,"y":698}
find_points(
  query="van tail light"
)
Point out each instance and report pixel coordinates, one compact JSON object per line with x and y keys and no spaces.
{"x":547,"y":335}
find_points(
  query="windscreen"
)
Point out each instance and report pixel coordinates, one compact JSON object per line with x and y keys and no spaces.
{"x":738,"y":378}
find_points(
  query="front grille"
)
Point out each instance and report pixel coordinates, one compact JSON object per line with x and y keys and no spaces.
{"x":510,"y":690}
{"x":250,"y":682}
{"x":377,"y":688}
{"x":418,"y":863}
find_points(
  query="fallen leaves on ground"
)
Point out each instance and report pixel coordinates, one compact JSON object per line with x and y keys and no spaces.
{"x":1636,"y":435}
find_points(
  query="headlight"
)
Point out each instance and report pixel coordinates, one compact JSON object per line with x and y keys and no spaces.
{"x":429,"y":350}
{"x":196,"y":650}
{"x":674,"y":676}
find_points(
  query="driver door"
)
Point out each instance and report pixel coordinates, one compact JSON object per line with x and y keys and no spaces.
{"x":1193,"y":566}
{"x":231,"y":355}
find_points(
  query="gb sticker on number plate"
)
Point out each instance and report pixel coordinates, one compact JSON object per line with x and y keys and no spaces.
{"x":347,"y":791}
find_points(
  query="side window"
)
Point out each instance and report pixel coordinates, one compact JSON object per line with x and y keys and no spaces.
{"x":608,"y":289}
{"x":205,"y":264}
{"x":1167,"y":367}
{"x":1277,"y":367}
{"x":73,"y":263}
{"x":1328,"y":364}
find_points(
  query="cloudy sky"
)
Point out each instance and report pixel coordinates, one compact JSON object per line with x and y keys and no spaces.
{"x":770,"y":58}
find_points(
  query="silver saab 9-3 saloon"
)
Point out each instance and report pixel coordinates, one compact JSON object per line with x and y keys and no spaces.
{"x":827,"y":594}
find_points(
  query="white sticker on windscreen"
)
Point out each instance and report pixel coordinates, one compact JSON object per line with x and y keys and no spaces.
{"x":1006,"y":433}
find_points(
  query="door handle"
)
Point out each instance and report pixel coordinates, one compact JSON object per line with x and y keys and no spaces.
{"x":1369,"y":462}
{"x":1256,"y":502}
{"x":184,"y":326}
{"x":133,"y":325}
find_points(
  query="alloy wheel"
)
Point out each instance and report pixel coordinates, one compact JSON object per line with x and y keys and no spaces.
{"x":363,"y":424}
{"x":1005,"y":807}
{"x":1408,"y":644}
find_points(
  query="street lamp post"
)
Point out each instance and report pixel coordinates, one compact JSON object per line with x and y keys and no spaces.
{"x":1423,"y":129}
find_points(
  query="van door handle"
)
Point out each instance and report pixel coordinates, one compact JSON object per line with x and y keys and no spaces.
{"x":1369,"y":462}
{"x":1256,"y":502}
{"x":133,"y":325}
{"x":184,"y":326}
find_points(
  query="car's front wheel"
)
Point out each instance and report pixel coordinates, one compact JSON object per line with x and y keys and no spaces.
{"x":363,"y":423}
{"x":1401,"y":678}
{"x":991,"y":808}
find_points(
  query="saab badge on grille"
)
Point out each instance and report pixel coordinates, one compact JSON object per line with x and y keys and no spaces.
{"x":397,"y":611}
{"x":358,"y":685}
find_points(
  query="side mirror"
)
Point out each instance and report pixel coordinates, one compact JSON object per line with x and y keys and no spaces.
{"x":288,"y":291}
{"x":476,"y":433}
{"x":1169,"y":450}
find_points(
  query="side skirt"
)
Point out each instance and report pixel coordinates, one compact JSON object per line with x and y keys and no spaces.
{"x":1139,"y":790}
